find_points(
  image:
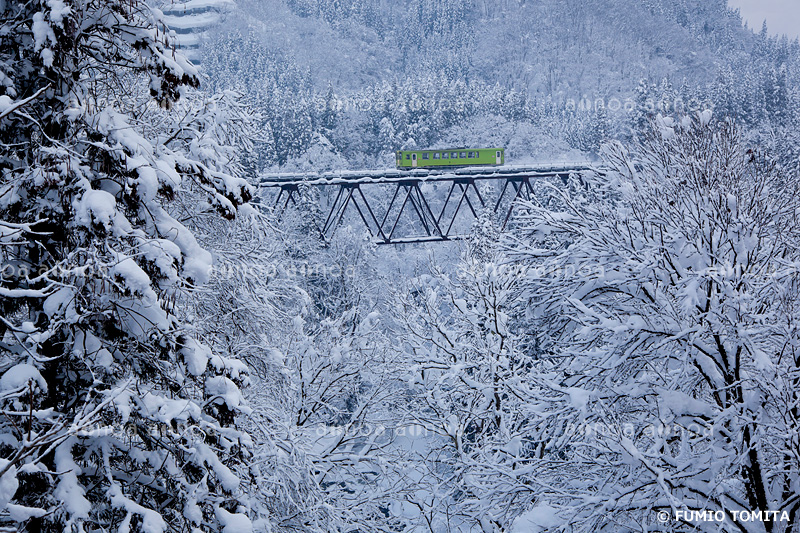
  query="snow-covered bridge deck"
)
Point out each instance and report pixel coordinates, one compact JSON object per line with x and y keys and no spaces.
{"x":405,"y":189}
{"x":421,"y":175}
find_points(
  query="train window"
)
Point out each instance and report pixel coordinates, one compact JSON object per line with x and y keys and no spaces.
{"x":471,"y":155}
{"x":477,"y":155}
{"x":454,"y":155}
{"x":408,"y":156}
{"x":436,"y":155}
{"x":463,"y":155}
{"x":445,"y":155}
{"x":426,"y":155}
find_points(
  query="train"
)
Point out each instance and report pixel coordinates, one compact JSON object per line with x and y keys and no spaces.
{"x":450,"y":158}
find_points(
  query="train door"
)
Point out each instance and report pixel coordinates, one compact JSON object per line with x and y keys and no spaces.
{"x":499,"y":157}
{"x":414,"y":160}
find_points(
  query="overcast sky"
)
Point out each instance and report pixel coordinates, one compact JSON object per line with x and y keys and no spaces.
{"x":783,"y":16}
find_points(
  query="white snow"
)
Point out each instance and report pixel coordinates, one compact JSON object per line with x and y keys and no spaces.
{"x":20,"y":513}
{"x":705,"y":117}
{"x":191,"y":21}
{"x":666,"y":127}
{"x":196,"y":356}
{"x":233,"y":522}
{"x":69,"y":490}
{"x":197,"y":261}
{"x":224,"y":389}
{"x":58,"y":10}
{"x":538,"y":519}
{"x":152,"y":522}
{"x":199,"y":4}
{"x":96,"y":207}
{"x":5,"y":103}
{"x":579,"y":398}
{"x":42,"y":32}
{"x":58,"y":301}
{"x":133,"y":278}
{"x":8,"y":483}
{"x":18,"y":376}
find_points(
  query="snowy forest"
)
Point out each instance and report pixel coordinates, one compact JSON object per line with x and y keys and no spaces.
{"x":178,"y":354}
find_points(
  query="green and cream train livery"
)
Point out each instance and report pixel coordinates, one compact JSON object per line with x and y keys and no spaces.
{"x":450,"y":158}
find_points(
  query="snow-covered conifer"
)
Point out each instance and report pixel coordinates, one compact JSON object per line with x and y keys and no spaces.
{"x":115,"y":417}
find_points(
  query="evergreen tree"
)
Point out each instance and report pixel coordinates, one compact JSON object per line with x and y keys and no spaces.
{"x":115,"y":418}
{"x":776,"y":95}
{"x":329,"y":116}
{"x":645,"y":106}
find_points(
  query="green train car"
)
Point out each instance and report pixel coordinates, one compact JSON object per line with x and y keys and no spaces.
{"x":450,"y":158}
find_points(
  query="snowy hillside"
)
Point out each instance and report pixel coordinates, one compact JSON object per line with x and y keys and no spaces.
{"x":373,"y":77}
{"x":590,"y":326}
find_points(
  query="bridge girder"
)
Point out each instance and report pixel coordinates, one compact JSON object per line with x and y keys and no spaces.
{"x":409,"y":198}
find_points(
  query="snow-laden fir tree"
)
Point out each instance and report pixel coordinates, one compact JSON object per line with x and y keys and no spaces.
{"x":114,"y":417}
{"x":668,"y":313}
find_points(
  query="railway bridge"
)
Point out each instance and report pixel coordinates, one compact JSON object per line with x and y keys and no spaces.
{"x":423,"y":205}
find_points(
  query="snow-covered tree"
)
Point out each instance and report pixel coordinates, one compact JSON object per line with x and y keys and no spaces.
{"x":115,"y":417}
{"x":667,"y":301}
{"x":320,"y":156}
{"x":306,"y":320}
{"x":484,"y":237}
{"x":470,"y":397}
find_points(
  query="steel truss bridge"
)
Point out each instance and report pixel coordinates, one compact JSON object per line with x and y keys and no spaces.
{"x":415,"y":196}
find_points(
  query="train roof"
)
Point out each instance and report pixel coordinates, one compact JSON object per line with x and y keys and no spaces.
{"x":455,"y":148}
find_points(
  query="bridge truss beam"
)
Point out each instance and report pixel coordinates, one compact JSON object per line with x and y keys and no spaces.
{"x":409,"y":198}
